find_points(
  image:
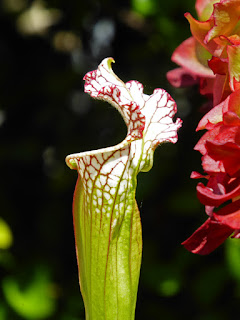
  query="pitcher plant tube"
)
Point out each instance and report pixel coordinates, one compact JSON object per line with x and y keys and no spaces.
{"x":106,"y":218}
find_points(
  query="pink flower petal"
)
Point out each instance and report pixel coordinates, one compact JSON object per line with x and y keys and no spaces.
{"x":187,"y":56}
{"x":204,"y":8}
{"x":181,"y":77}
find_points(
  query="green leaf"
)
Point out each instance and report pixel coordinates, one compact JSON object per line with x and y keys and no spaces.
{"x":34,"y":300}
{"x":233,"y":257}
{"x":3,"y":313}
{"x":6,"y":237}
{"x":164,"y":279}
{"x":144,"y":7}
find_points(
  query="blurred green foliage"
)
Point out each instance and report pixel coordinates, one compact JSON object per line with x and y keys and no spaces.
{"x":45,"y":50}
{"x":233,"y":258}
{"x":144,"y":7}
{"x":6,"y":237}
{"x":34,"y":300}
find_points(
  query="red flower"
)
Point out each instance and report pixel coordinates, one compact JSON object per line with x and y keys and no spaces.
{"x":222,"y":223}
{"x":220,"y":147}
{"x":211,"y":56}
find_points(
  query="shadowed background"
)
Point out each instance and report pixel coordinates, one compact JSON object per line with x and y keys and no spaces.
{"x":45,"y":50}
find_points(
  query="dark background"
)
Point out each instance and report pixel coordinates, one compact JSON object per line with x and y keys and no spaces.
{"x":45,"y":50}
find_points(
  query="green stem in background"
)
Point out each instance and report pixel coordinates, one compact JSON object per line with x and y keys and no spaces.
{"x":106,"y":217}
